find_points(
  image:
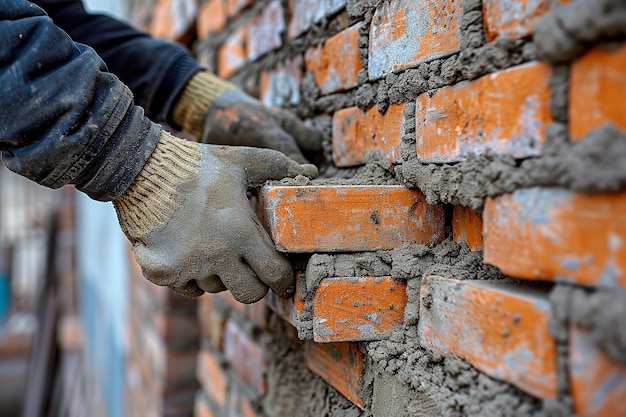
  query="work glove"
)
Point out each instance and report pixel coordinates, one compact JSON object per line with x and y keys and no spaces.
{"x":217,"y":112}
{"x":191,"y":225}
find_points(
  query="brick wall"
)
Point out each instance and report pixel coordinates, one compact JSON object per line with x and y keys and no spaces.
{"x":464,"y":251}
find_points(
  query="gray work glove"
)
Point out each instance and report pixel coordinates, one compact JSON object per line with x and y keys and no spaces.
{"x":219,"y":113}
{"x":191,"y":225}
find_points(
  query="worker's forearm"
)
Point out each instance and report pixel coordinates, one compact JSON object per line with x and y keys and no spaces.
{"x":63,"y":118}
{"x":155,"y":70}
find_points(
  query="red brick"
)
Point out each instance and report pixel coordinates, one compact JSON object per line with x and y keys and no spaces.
{"x":558,"y":235}
{"x":211,"y":18}
{"x":506,"y":112}
{"x":339,"y":364}
{"x":514,"y":18}
{"x":176,"y":326}
{"x":598,"y":383}
{"x":407,"y":32}
{"x":288,"y":309}
{"x":349,"y":218}
{"x":501,"y":329}
{"x":336,"y":62}
{"x":597,"y":90}
{"x":357,"y":308}
{"x":172,"y":18}
{"x":239,"y":404}
{"x":358,"y":134}
{"x":245,"y":356}
{"x":212,"y":378}
{"x":280,"y":86}
{"x":467,"y":227}
{"x":304,"y":13}
{"x":264,"y":31}
{"x":201,"y":406}
{"x":231,"y":55}
{"x":233,"y":7}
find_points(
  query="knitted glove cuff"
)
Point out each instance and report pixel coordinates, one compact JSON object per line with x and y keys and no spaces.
{"x":197,"y":98}
{"x":154,"y":195}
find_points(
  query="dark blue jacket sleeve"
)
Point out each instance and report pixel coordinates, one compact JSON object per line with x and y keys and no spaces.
{"x":63,"y":118}
{"x":155,"y":70}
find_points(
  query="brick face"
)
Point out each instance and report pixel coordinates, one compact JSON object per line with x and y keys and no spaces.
{"x":316,"y":218}
{"x":305,"y":13}
{"x":332,"y":74}
{"x":598,"y":86}
{"x":172,"y":18}
{"x":598,"y":383}
{"x":280,"y":86}
{"x":357,"y":309}
{"x":505,"y":112}
{"x":467,"y":227}
{"x":211,"y":18}
{"x":245,"y":356}
{"x":357,"y":134}
{"x":212,"y":378}
{"x":264,"y":31}
{"x":339,"y":364}
{"x":407,"y":32}
{"x":500,"y":329}
{"x":558,"y":235}
{"x":231,"y":55}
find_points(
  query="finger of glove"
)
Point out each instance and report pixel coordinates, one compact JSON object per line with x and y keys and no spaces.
{"x":188,"y":289}
{"x":243,"y":283}
{"x":261,"y":165}
{"x":270,"y":266}
{"x":212,"y":284}
{"x":307,"y":138}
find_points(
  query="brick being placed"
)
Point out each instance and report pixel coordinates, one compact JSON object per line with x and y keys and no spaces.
{"x":331,"y":218}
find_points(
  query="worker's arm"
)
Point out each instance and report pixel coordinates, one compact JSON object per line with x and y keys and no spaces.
{"x":64,"y":120}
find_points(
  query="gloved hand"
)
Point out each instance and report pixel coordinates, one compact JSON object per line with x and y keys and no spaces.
{"x":217,"y":112}
{"x":191,"y":225}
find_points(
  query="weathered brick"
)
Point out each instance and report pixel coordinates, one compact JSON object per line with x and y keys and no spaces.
{"x":357,"y":308}
{"x":306,"y":12}
{"x":212,"y":321}
{"x":231,"y":55}
{"x":339,"y":364}
{"x":467,"y":227}
{"x":280,"y":86}
{"x":506,"y":112}
{"x":406,"y":32}
{"x":172,"y":18}
{"x":288,"y":309}
{"x":598,"y":382}
{"x":336,"y":62}
{"x":357,"y":135}
{"x":180,"y":367}
{"x":597,"y":90}
{"x":211,"y":18}
{"x":212,"y":378}
{"x":264,"y":31}
{"x":201,"y":406}
{"x":239,"y":403}
{"x":514,"y":18}
{"x":500,"y":328}
{"x":176,"y":326}
{"x":558,"y":235}
{"x":349,"y":218}
{"x":233,"y":7}
{"x":245,"y":356}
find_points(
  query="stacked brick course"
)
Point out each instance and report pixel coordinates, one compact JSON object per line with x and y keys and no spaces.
{"x":464,"y":251}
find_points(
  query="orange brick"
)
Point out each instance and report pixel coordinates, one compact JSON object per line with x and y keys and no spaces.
{"x":211,"y":18}
{"x":349,"y":218}
{"x":245,"y":356}
{"x":288,"y":309}
{"x":336,"y":62}
{"x":598,"y":382}
{"x":357,"y":308}
{"x":357,"y":134}
{"x":597,"y":90}
{"x":211,"y":322}
{"x":406,"y":32}
{"x":304,"y":13}
{"x":201,"y":406}
{"x":281,"y":86}
{"x":514,"y":18}
{"x":467,"y":227}
{"x":172,"y":18}
{"x":558,"y":235}
{"x":339,"y":364}
{"x":231,"y":55}
{"x":501,"y":329}
{"x":233,"y":7}
{"x":211,"y":377}
{"x":505,"y":112}
{"x":265,"y":30}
